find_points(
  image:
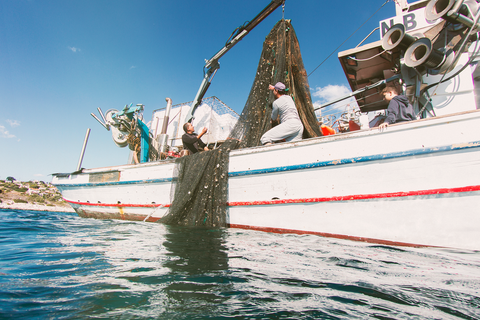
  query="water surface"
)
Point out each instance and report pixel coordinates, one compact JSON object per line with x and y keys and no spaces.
{"x":59,"y":266}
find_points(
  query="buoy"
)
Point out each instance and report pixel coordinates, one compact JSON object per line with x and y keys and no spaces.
{"x":326,"y":130}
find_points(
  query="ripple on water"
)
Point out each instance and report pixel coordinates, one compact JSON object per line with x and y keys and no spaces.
{"x":57,"y":265}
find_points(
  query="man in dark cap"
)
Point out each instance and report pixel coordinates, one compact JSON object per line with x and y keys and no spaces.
{"x":290,"y":127}
{"x":399,"y":109}
{"x":191,"y":141}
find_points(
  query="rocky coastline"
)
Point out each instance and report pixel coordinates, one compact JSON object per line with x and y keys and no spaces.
{"x":31,"y":195}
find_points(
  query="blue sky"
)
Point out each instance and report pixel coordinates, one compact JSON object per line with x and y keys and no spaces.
{"x":60,"y":60}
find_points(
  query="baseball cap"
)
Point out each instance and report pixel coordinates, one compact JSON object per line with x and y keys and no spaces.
{"x":279,"y":86}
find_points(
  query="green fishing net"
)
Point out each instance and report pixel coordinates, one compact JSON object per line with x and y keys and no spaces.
{"x":200,"y":183}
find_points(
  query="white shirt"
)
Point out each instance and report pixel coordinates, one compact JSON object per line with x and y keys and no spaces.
{"x":286,"y":108}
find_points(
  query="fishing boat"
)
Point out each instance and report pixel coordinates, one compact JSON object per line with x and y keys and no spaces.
{"x":414,"y":183}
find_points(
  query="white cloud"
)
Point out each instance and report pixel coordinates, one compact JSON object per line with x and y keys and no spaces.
{"x":330,"y":93}
{"x":38,"y":175}
{"x":13,"y":123}
{"x":132,"y":67}
{"x":4,"y":133}
{"x":74,"y":49}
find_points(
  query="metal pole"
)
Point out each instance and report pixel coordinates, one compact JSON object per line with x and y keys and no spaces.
{"x":83,"y":149}
{"x":351,"y":94}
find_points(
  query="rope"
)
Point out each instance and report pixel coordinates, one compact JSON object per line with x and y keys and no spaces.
{"x":133,"y":138}
{"x":335,"y":107}
{"x":378,"y":54}
{"x":151,"y":213}
{"x":347,"y":39}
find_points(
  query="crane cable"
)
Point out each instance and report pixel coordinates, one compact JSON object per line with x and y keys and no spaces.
{"x":348,"y":38}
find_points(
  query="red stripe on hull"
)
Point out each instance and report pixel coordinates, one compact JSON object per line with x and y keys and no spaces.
{"x":359,"y":196}
{"x":329,"y":235}
{"x":306,"y":200}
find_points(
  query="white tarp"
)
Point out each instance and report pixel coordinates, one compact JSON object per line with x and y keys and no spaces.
{"x":207,"y":115}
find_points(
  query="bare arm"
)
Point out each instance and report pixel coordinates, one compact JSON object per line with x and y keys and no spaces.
{"x":204,"y":130}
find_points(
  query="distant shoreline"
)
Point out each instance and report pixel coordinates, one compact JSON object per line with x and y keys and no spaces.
{"x":31,"y":195}
{"x":35,"y":207}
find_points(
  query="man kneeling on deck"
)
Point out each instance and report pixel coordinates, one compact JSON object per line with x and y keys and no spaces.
{"x":290,"y":127}
{"x":399,"y":109}
{"x":192,"y":141}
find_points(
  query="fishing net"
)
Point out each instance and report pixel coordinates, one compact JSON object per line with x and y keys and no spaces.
{"x":200,"y":184}
{"x":281,"y":61}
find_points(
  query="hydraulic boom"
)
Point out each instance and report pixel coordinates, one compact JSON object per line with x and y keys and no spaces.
{"x":213,"y":65}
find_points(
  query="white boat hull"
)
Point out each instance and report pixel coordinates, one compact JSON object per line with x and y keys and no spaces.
{"x":416,"y":183}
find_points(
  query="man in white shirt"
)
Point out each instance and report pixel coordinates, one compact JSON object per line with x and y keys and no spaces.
{"x":290,"y":127}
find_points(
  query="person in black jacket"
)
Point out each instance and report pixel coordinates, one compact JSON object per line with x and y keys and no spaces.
{"x":192,"y":141}
{"x":399,"y":109}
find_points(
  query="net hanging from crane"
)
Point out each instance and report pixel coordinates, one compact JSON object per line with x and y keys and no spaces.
{"x":200,"y":188}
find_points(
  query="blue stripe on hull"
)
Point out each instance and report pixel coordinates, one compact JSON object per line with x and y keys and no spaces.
{"x":320,"y":164}
{"x":356,"y":160}
{"x":99,"y":184}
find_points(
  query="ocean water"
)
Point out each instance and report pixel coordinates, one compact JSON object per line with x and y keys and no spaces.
{"x":59,"y":266}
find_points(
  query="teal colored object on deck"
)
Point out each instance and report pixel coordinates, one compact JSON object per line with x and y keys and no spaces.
{"x":129,"y":111}
{"x":144,"y":141}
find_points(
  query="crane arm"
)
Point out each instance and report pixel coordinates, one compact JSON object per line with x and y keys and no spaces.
{"x":212,"y":64}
